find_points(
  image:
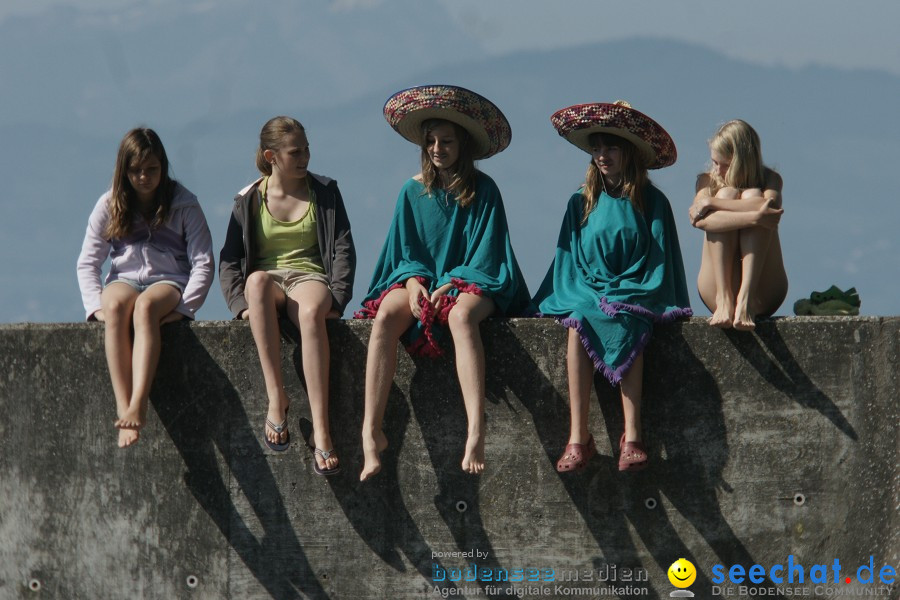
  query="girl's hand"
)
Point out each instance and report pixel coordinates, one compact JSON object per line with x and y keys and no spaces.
{"x":769,"y":216}
{"x":700,"y":207}
{"x":439,"y":293}
{"x":171,"y":318}
{"x":695,"y":213}
{"x":416,"y":291}
{"x":99,"y":315}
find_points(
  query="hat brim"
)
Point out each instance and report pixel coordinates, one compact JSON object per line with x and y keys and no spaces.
{"x":577,"y":123}
{"x":486,"y":125}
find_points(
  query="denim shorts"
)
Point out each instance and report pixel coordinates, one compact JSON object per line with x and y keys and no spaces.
{"x":142,"y":287}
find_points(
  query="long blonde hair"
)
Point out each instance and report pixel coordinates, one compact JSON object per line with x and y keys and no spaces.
{"x":634,"y":175}
{"x":138,"y":145}
{"x":463,"y":183}
{"x":738,"y":142}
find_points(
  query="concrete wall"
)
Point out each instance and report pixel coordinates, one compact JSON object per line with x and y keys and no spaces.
{"x":764,"y":445}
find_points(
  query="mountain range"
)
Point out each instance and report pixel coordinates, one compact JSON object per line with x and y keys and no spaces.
{"x":208,"y":78}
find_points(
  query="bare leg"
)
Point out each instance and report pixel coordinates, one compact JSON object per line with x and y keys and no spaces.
{"x":393,"y":318}
{"x":763,"y":280}
{"x":632,"y":390}
{"x":772,"y":287}
{"x":581,"y":378}
{"x":754,"y":245}
{"x":715,"y":281}
{"x":465,"y":317}
{"x":717,"y":276}
{"x":264,"y":298}
{"x":632,"y":455}
{"x":149,"y":309}
{"x":118,"y":305}
{"x":306,"y":307}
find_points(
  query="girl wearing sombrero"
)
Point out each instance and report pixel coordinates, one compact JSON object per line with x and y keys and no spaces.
{"x":447,"y":261}
{"x":617,"y":270}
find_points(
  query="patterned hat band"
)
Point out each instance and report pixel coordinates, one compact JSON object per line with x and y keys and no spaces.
{"x":579,"y":122}
{"x":408,"y":109}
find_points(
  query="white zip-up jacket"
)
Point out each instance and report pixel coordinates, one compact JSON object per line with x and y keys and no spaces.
{"x":180,"y":251}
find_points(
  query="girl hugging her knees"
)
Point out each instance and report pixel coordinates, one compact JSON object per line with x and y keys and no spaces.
{"x":738,"y":205}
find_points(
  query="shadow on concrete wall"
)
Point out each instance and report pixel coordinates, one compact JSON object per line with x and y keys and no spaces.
{"x":773,"y":359}
{"x":213,"y":418}
{"x":726,"y":418}
{"x":444,"y":428}
{"x":690,"y":477}
{"x":607,"y":500}
{"x":375,"y":509}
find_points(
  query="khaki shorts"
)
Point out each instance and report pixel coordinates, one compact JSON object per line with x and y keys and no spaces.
{"x":288,"y":279}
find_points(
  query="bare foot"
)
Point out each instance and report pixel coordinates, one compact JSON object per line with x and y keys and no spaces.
{"x":473,"y":461}
{"x":724,"y":315}
{"x":324,"y":443}
{"x":743,"y":321}
{"x":130,"y":419}
{"x":127,"y":437}
{"x":277,"y":417}
{"x":373,"y":446}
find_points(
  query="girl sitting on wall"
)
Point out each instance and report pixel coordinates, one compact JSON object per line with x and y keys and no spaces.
{"x":288,"y":250}
{"x":447,"y":260}
{"x":617,"y":269}
{"x":155,"y":234}
{"x":738,"y":205}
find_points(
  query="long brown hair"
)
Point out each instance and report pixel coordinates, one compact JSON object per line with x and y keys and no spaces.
{"x":634,"y":175}
{"x":271,"y":137}
{"x":463,"y":183}
{"x":138,"y":145}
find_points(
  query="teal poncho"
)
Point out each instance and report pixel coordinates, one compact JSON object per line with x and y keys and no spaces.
{"x":615,"y":276}
{"x":433,"y":238}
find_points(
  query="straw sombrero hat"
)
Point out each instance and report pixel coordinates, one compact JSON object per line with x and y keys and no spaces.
{"x":408,"y":109}
{"x":577,"y":123}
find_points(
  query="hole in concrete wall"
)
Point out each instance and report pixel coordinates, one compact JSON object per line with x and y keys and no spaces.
{"x":799,"y":499}
{"x":192,"y":581}
{"x":461,"y":506}
{"x":34,"y":585}
{"x":650,"y":503}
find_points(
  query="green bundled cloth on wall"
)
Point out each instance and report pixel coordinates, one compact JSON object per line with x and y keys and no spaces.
{"x":831,"y":302}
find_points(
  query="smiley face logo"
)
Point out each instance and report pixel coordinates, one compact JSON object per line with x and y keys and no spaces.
{"x":682,"y":573}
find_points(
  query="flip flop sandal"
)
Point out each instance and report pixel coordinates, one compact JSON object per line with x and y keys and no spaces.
{"x":576,"y":456}
{"x":279,"y":429}
{"x":306,"y":430}
{"x":632,"y":455}
{"x":325,"y":454}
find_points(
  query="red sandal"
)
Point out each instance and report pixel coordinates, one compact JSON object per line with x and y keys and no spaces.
{"x":576,"y":456}
{"x":632,"y":455}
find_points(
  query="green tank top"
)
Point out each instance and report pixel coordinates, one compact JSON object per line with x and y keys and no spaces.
{"x":287,"y":245}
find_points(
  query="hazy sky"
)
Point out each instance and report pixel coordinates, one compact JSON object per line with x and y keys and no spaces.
{"x":788,"y":32}
{"x":83,"y":82}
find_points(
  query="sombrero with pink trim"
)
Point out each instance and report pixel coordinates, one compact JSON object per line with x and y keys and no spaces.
{"x":408,"y":109}
{"x":576,"y":123}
